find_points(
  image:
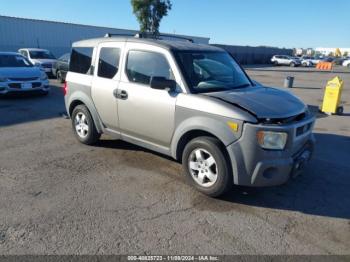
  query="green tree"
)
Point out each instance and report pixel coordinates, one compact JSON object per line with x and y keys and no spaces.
{"x":149,"y":13}
{"x":345,"y":53}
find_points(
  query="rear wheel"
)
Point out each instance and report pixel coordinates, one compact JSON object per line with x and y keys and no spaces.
{"x":59,"y":77}
{"x":84,"y":126}
{"x":207,"y":166}
{"x":292,"y":64}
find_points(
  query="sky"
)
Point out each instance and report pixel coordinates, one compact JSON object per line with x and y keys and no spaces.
{"x":280,"y":23}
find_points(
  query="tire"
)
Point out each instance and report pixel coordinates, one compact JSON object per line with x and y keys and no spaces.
{"x":44,"y":93}
{"x":59,"y":77}
{"x":348,"y":66}
{"x":292,"y":64}
{"x":275,"y":63}
{"x":210,"y":178}
{"x":340,"y":110}
{"x":82,"y":120}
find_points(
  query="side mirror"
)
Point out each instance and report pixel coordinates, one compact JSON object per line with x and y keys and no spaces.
{"x":159,"y":82}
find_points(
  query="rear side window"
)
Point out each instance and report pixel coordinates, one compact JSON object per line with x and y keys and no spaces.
{"x":108,"y":62}
{"x":80,"y":61}
{"x":142,"y":65}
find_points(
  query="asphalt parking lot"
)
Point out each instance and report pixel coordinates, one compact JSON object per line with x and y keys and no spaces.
{"x":61,"y":197}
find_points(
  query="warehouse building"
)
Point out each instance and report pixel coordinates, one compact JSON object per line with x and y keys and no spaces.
{"x":57,"y":37}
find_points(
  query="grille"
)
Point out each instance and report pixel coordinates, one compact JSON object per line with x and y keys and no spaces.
{"x":281,"y":121}
{"x":36,"y":84}
{"x":24,"y":79}
{"x":303,"y":129}
{"x":15,"y":85}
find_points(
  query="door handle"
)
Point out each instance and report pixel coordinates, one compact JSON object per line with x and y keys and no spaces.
{"x":120,"y":94}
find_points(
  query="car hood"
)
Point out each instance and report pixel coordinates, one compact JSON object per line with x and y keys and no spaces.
{"x":19,"y":72}
{"x":263,"y":102}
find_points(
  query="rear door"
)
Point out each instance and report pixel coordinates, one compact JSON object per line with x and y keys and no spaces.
{"x":106,"y":81}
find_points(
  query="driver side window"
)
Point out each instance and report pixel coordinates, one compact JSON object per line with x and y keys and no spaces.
{"x":142,"y":65}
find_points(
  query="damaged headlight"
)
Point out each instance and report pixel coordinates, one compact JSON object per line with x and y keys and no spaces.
{"x":272,"y":140}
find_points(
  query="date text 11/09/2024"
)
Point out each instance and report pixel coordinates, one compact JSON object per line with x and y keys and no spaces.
{"x":173,"y":258}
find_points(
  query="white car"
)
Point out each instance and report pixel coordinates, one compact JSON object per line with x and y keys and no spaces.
{"x":18,"y":74}
{"x":285,"y":60}
{"x":309,"y":61}
{"x":347,"y":62}
{"x":39,"y":57}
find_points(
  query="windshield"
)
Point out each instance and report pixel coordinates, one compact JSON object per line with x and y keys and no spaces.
{"x":41,"y":55}
{"x":211,"y":71}
{"x":14,"y":61}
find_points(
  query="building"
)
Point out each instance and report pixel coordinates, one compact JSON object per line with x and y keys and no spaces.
{"x":57,"y":37}
{"x":249,"y":55}
{"x":327,"y":51}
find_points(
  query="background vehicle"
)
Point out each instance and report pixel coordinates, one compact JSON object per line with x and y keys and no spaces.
{"x":18,"y":74}
{"x":339,"y":60}
{"x":308,"y":61}
{"x":60,"y":67}
{"x":327,"y":59}
{"x":39,"y":57}
{"x":347,"y":62}
{"x":285,"y":60}
{"x":191,"y":102}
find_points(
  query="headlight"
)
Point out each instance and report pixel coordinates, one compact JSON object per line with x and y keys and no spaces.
{"x":3,"y":79}
{"x":43,"y":77}
{"x":272,"y":140}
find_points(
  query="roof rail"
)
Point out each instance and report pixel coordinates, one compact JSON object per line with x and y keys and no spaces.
{"x":111,"y":35}
{"x":149,"y":35}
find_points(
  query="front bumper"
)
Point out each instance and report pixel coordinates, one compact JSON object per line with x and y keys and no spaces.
{"x":255,"y":166}
{"x":20,"y":86}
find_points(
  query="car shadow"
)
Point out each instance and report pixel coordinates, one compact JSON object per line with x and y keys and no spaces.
{"x":322,"y":190}
{"x":122,"y":145}
{"x":307,"y":87}
{"x":27,"y":107}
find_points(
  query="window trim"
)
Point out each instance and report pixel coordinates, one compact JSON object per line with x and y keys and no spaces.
{"x":146,"y":51}
{"x":91,"y":69}
{"x":98,"y":61}
{"x":186,"y":78}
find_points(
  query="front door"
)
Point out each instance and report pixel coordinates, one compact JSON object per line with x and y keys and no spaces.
{"x":146,"y":114}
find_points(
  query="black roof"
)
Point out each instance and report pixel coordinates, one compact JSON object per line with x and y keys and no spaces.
{"x":173,"y":45}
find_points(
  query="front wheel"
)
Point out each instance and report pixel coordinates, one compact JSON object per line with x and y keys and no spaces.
{"x":207,"y":166}
{"x":84,"y":126}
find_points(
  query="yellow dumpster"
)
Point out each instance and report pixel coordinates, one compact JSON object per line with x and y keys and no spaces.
{"x":332,"y":97}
